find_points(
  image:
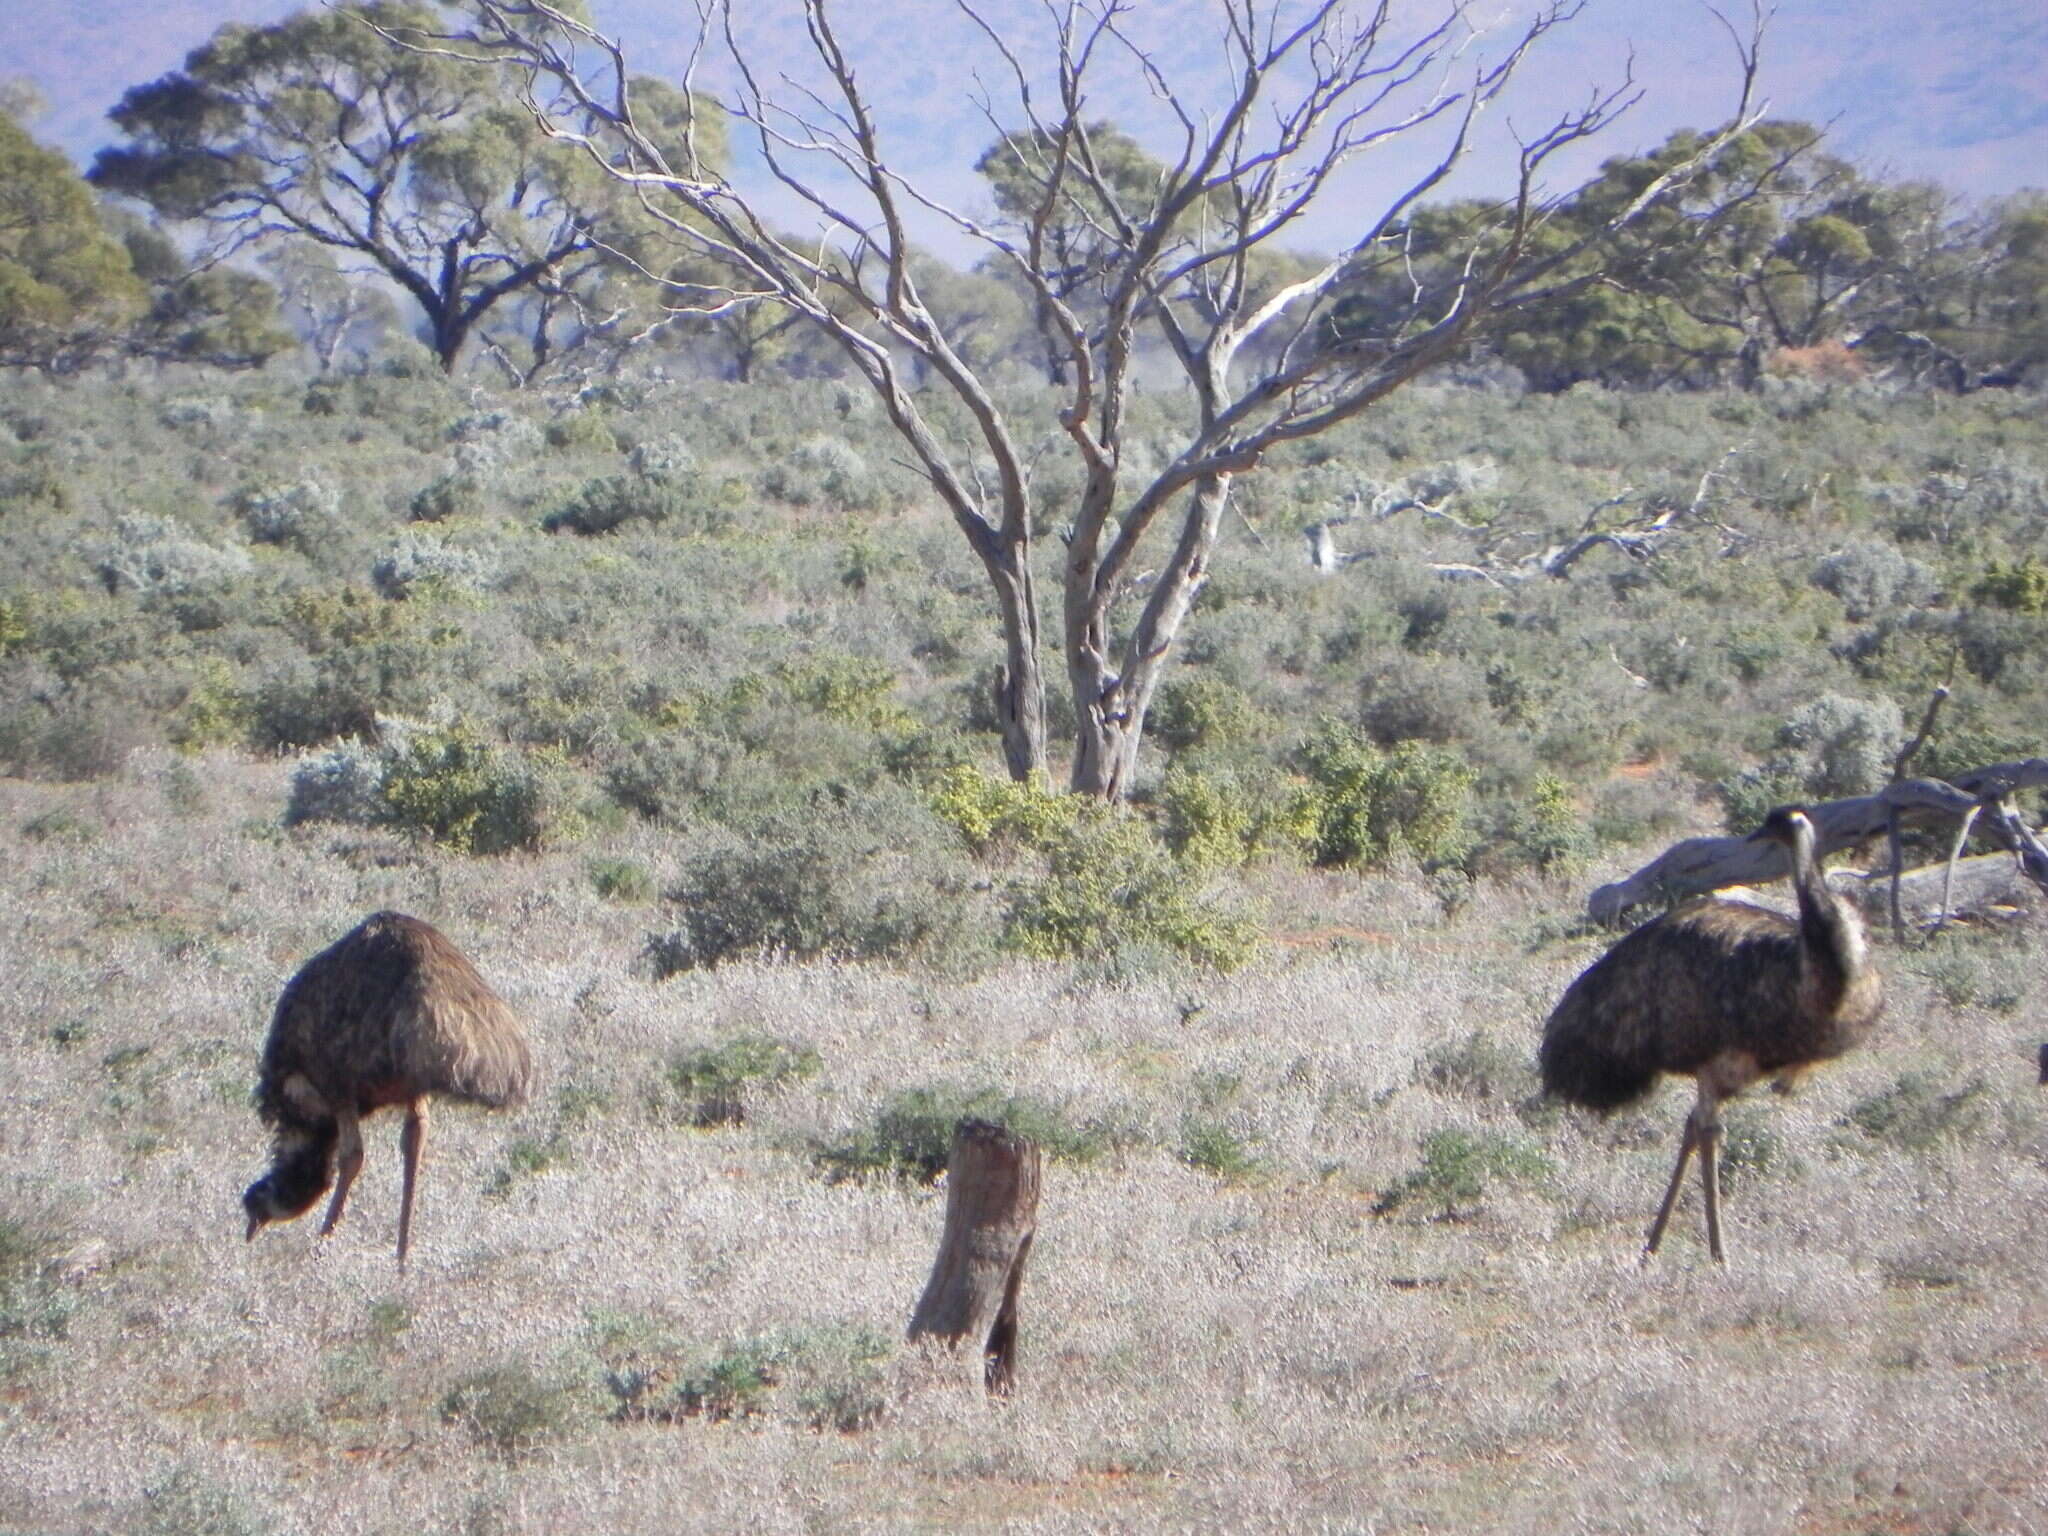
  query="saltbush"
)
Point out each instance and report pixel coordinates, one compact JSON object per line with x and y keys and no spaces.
{"x":1872,"y":577}
{"x":301,"y":514}
{"x":871,"y":879}
{"x":150,"y":555}
{"x":344,"y":783}
{"x":512,"y":1408}
{"x":416,"y":562}
{"x":607,"y":503}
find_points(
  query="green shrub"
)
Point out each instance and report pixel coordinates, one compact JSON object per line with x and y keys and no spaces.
{"x":622,"y":880}
{"x":582,"y":429}
{"x":1366,"y":805}
{"x":527,"y":1156}
{"x":218,"y":710}
{"x":1203,"y":711}
{"x":1109,"y":893}
{"x":1544,"y":829}
{"x":708,"y":1085}
{"x":869,"y":879}
{"x":2020,"y":586}
{"x":1205,"y":819}
{"x":1748,"y":798}
{"x":911,"y":1136}
{"x":457,"y":789}
{"x":852,"y":689}
{"x":456,"y":494}
{"x":990,"y":812}
{"x":187,"y":1504}
{"x":33,"y":1305}
{"x":823,"y":469}
{"x":1478,"y":1066}
{"x":1752,"y":1150}
{"x":829,"y":1374}
{"x":1455,"y":1168}
{"x":1210,"y":1145}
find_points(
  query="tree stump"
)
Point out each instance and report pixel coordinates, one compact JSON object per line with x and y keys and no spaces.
{"x":991,"y":1216}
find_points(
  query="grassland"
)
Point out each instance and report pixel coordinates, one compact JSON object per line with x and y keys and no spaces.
{"x":1232,"y":1343}
{"x":669,"y":706}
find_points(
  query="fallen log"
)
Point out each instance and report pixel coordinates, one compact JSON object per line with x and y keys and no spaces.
{"x":1702,"y":864}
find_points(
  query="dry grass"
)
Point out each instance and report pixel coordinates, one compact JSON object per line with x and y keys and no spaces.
{"x":1258,"y":1352}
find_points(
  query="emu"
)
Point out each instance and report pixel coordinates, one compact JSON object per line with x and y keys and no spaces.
{"x":388,"y":1014}
{"x":1725,"y":992}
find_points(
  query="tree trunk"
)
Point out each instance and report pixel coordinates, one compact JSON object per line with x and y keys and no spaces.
{"x":1020,"y":680}
{"x":1109,"y":709}
{"x":991,"y":1217}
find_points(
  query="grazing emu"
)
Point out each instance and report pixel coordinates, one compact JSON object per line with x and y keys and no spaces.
{"x":1720,"y":990}
{"x":388,"y":1014}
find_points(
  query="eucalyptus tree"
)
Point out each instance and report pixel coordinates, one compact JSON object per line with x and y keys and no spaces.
{"x":67,"y":286}
{"x":406,"y":164}
{"x":1299,"y":92}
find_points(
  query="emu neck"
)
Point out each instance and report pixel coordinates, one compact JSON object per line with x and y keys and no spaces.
{"x":1829,"y":935}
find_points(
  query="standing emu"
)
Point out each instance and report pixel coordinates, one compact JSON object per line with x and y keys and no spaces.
{"x":1721,"y":990}
{"x":388,"y":1014}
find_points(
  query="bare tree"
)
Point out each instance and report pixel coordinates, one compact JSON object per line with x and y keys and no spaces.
{"x":1309,"y":88}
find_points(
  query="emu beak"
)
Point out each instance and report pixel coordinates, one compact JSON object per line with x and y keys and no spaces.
{"x":255,"y":1226}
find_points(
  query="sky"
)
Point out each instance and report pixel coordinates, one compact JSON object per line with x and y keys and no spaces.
{"x":1956,"y":93}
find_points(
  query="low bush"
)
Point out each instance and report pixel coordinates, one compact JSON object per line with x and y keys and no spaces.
{"x":415,"y":563}
{"x":454,"y":787}
{"x":148,"y":556}
{"x":1455,"y":1168}
{"x":301,"y":514}
{"x":1112,"y":896}
{"x":610,"y":502}
{"x":709,"y":1085}
{"x":513,"y":1409}
{"x":911,"y":1135}
{"x":1915,"y":1114}
{"x":869,"y":879}
{"x":1366,"y":805}
{"x":1213,"y":1147}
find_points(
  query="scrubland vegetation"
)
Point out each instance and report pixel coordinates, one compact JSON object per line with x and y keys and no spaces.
{"x":669,"y":703}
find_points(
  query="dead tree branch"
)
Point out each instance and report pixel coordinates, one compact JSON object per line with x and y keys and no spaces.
{"x":1702,"y":864}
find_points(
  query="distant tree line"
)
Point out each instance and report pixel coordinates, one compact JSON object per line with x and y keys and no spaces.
{"x":315,"y":184}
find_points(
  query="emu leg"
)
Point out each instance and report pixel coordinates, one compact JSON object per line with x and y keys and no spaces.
{"x":348,"y":1163}
{"x":1710,"y":1185}
{"x":410,"y":1142}
{"x":1685,"y":1147}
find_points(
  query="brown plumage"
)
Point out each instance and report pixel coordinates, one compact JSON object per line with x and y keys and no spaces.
{"x":1724,"y":992}
{"x":386,"y":1015}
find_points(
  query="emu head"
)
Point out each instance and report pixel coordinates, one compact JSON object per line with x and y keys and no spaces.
{"x":1785,"y":825}
{"x":299,"y":1175}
